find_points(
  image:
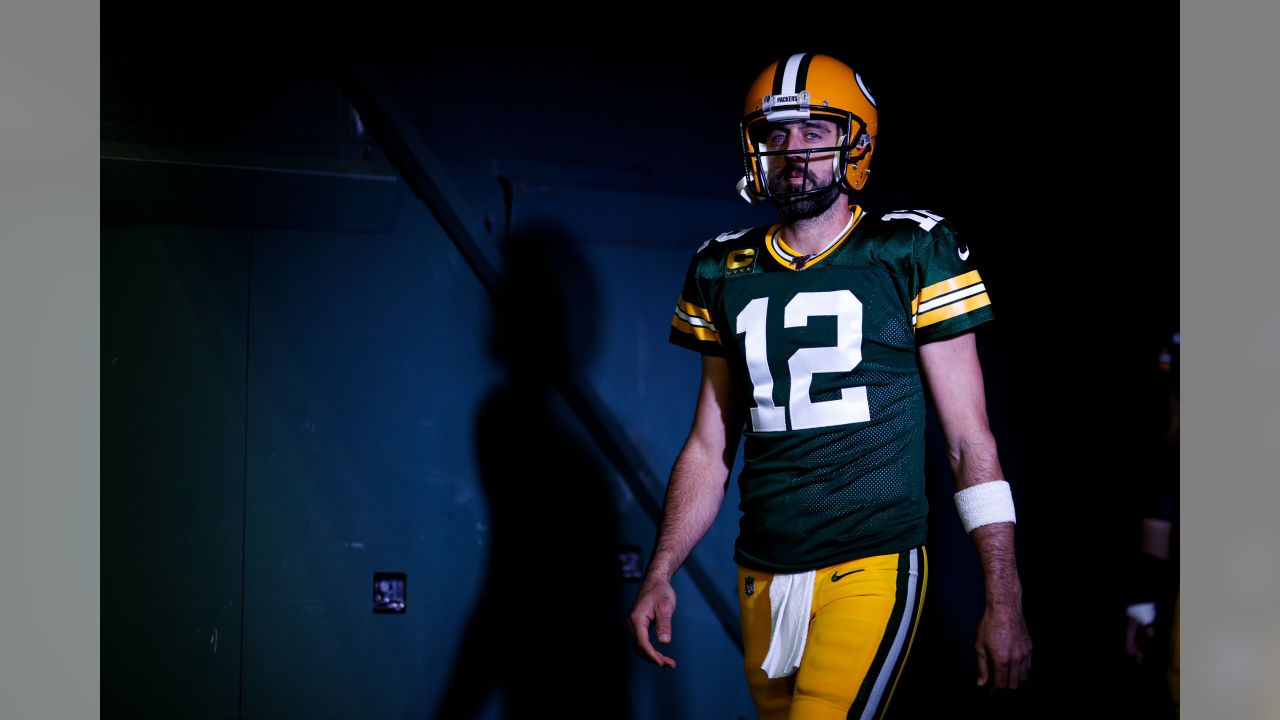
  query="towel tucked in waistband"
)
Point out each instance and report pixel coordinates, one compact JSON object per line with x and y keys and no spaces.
{"x":790,"y":601}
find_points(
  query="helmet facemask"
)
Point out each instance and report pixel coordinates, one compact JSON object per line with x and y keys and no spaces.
{"x":764,"y":167}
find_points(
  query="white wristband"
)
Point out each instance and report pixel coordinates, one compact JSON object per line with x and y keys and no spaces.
{"x":984,"y":504}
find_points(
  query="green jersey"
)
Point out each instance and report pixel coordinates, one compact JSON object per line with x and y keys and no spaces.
{"x":823,"y":352}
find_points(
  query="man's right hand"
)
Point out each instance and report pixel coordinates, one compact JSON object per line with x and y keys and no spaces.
{"x":655,"y":601}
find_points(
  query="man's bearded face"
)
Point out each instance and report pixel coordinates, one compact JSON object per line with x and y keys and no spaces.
{"x":792,"y":177}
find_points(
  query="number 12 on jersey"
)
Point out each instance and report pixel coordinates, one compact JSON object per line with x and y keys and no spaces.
{"x":844,"y":356}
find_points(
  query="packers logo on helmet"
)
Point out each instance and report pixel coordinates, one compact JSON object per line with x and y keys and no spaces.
{"x":807,"y":87}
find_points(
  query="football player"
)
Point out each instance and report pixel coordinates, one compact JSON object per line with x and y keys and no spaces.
{"x":814,"y":332}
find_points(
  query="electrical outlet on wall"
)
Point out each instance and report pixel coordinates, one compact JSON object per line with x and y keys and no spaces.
{"x":390,"y":592}
{"x":629,"y":563}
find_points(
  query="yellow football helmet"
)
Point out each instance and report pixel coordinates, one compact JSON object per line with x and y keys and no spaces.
{"x":804,"y":87}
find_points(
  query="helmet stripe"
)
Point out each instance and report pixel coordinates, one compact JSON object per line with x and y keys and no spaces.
{"x":864,"y":90}
{"x":802,"y":73}
{"x":785,"y":77}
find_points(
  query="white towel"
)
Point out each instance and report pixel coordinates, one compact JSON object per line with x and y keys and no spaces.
{"x":790,"y":600}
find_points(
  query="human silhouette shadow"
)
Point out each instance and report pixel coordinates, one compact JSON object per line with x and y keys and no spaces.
{"x":548,"y":630}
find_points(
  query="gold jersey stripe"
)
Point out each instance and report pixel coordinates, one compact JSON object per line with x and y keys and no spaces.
{"x":774,"y":236}
{"x":952,"y":297}
{"x":695,"y":321}
{"x":946,"y":312}
{"x":700,"y":333}
{"x":691,"y":309}
{"x":768,"y":243}
{"x":857,"y":217}
{"x":946,"y":286}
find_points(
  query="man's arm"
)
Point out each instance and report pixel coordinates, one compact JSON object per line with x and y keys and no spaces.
{"x":694,"y":496}
{"x":954,"y":376}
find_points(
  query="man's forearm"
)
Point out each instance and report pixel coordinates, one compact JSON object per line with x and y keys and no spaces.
{"x":694,"y":496}
{"x":1003,"y":646}
{"x":999,"y":567}
{"x":975,"y":461}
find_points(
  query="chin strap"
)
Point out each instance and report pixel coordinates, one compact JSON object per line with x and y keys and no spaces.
{"x":742,"y":190}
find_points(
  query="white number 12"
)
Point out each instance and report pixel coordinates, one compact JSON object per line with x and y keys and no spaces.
{"x":842,"y":357}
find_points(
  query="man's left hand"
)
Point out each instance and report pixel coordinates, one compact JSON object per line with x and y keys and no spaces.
{"x":1003,"y":647}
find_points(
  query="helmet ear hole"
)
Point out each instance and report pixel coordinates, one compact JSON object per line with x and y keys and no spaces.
{"x":856,"y":173}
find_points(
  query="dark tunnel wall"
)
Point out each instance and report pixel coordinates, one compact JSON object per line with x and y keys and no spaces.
{"x":356,"y":366}
{"x":300,"y":384}
{"x":173,"y":436}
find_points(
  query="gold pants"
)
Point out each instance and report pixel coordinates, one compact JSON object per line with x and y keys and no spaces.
{"x":861,"y":625}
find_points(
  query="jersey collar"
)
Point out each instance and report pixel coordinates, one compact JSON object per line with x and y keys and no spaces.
{"x":793,"y":260}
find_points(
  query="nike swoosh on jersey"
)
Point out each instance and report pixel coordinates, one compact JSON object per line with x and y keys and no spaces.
{"x":835,"y":577}
{"x":964,"y":254}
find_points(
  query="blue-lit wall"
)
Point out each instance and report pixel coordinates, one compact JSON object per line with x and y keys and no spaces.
{"x":293,"y":402}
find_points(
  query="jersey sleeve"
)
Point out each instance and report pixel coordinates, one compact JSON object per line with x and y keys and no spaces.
{"x":691,"y":324}
{"x":951,"y":297}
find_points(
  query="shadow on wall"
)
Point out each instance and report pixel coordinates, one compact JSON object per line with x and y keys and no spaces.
{"x":547,"y":629}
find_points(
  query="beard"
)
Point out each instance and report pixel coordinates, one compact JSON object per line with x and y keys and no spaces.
{"x":791,"y":209}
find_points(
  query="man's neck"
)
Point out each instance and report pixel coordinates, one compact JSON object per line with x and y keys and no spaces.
{"x":812,"y":235}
